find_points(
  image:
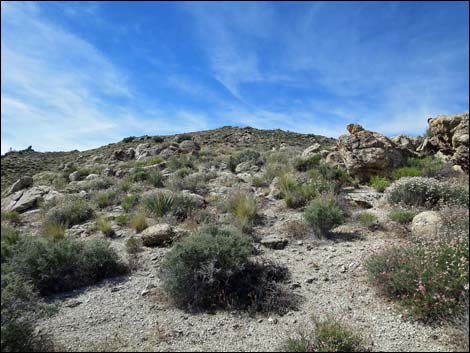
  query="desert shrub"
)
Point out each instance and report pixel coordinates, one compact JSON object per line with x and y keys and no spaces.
{"x":304,"y":164}
{"x":183,"y":172}
{"x":183,"y":206}
{"x":99,"y":184}
{"x":195,"y":183}
{"x":62,"y":265}
{"x":179,"y":162}
{"x":122,"y":219}
{"x":295,"y":199}
{"x":11,"y":216}
{"x":139,"y":221}
{"x":287,"y":184}
{"x":10,"y":236}
{"x":133,"y":245}
{"x":104,"y":226}
{"x":426,"y":192}
{"x":259,"y":182}
{"x":429,"y":166}
{"x":152,"y":177}
{"x":158,"y":204}
{"x":128,"y":139}
{"x":296,"y":229}
{"x":368,"y":220}
{"x":401,"y":215}
{"x":243,"y":208}
{"x":323,"y":214}
{"x":211,"y":269}
{"x":154,"y":160}
{"x":379,"y":183}
{"x":158,"y":139}
{"x":406,"y":172}
{"x":183,"y":137}
{"x":21,"y":308}
{"x":53,"y":230}
{"x":327,"y":336}
{"x":70,"y":211}
{"x":129,"y":202}
{"x":106,"y":198}
{"x":427,"y":279}
{"x":242,"y":156}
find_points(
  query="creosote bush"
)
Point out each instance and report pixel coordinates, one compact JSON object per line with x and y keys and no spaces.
{"x":323,"y":214}
{"x":327,"y":336}
{"x":60,"y":265}
{"x":211,"y":269}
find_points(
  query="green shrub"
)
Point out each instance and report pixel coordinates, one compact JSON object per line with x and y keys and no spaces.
{"x":122,"y":219}
{"x":426,"y":192}
{"x":139,"y":222}
{"x":304,"y":164}
{"x":427,"y":279}
{"x":133,"y":245}
{"x":287,"y":184}
{"x":406,"y":172}
{"x":323,"y":214}
{"x":379,"y":183}
{"x":21,"y":308}
{"x":328,"y":336}
{"x":129,"y":202}
{"x":183,"y":172}
{"x":10,"y":236}
{"x":368,"y":220}
{"x":158,"y":204}
{"x":211,"y":269}
{"x":195,"y":183}
{"x":295,"y":199}
{"x":128,"y":139}
{"x":152,"y":177}
{"x":429,"y":166}
{"x":107,"y":198}
{"x":158,"y":139}
{"x":179,"y":162}
{"x":402,"y":216}
{"x":243,"y":208}
{"x":104,"y":226}
{"x":62,"y":265}
{"x":259,"y":182}
{"x":183,"y":137}
{"x":70,"y":211}
{"x":242,"y":156}
{"x":99,"y":184}
{"x":12,"y":216}
{"x":53,"y":230}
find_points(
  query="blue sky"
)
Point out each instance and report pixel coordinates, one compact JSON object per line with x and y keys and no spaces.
{"x":81,"y":75}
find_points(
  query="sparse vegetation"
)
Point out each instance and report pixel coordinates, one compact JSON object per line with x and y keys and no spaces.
{"x":327,"y":336}
{"x":104,"y":226}
{"x":54,"y":230}
{"x":129,"y":202}
{"x":139,"y":221}
{"x":13,"y":217}
{"x":368,"y":220}
{"x":304,"y":164}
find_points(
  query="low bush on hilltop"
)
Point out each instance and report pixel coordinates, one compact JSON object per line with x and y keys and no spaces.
{"x":211,"y":269}
{"x":243,"y":156}
{"x":327,"y":336}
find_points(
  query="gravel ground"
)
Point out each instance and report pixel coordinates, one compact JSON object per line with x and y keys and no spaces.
{"x":129,"y":314}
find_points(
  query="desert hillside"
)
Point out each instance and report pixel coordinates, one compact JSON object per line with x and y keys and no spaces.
{"x":239,"y":239}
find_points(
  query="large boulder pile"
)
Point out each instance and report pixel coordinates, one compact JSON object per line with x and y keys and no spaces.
{"x":449,"y":137}
{"x":364,"y":153}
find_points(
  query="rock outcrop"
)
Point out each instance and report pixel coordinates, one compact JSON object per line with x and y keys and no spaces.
{"x":20,"y":184}
{"x":449,"y":137}
{"x":365,"y":153}
{"x":426,"y":224}
{"x":157,"y":235}
{"x":26,"y":199}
